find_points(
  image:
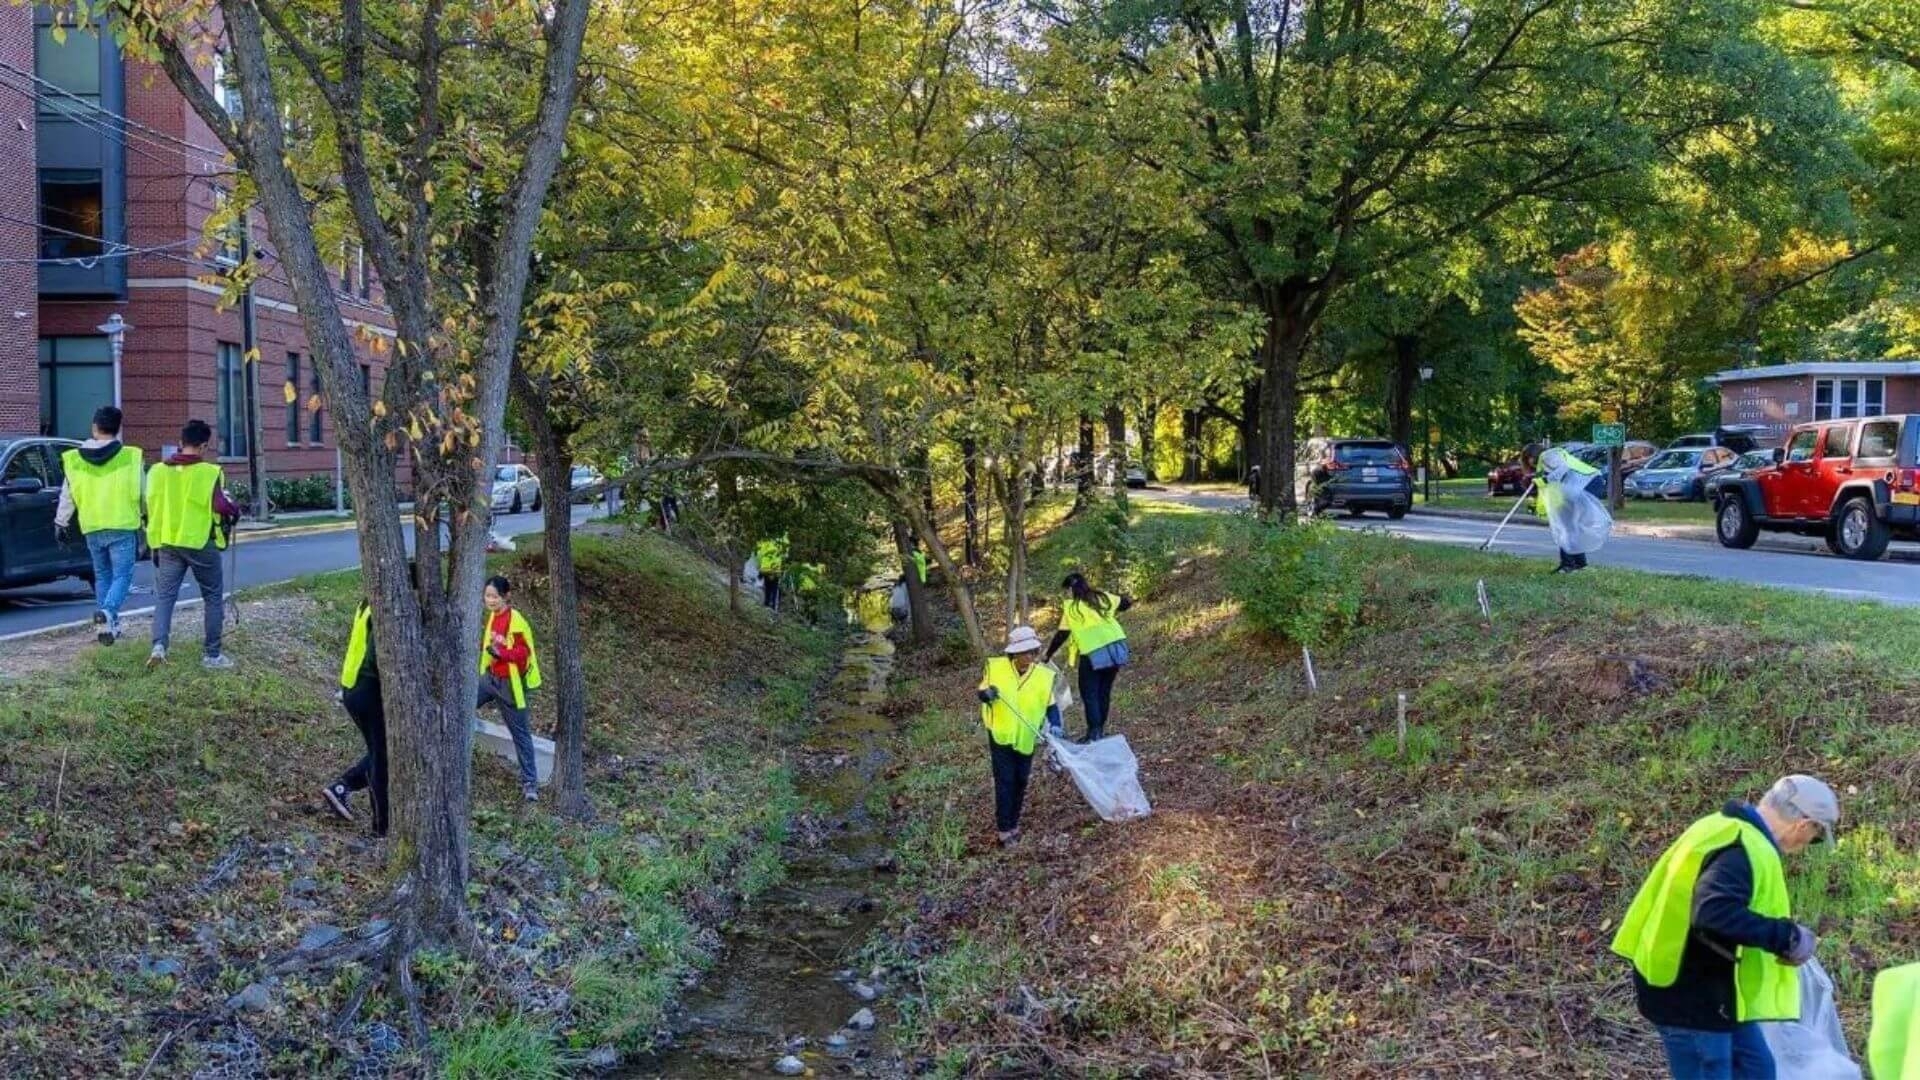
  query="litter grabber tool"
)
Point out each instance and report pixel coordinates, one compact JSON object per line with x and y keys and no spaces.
{"x":1105,"y":771}
{"x":1517,"y":504}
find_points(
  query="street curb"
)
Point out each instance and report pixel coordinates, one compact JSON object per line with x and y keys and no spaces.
{"x":247,"y":536}
{"x":1699,"y":534}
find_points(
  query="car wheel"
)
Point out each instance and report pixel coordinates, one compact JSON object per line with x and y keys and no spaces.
{"x":1860,"y":532}
{"x":515,"y":507}
{"x":1734,"y":525}
{"x":1397,"y":513}
{"x":536,"y":501}
{"x":1355,"y":511}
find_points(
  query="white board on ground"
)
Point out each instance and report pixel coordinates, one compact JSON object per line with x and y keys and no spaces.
{"x":497,"y":739}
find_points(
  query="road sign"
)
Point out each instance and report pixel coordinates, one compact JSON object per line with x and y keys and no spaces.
{"x":1609,"y":434}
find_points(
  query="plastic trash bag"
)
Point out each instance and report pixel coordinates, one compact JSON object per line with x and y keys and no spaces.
{"x":897,"y":603}
{"x":1814,"y":1047}
{"x":1106,"y":773}
{"x":750,"y":573}
{"x":1580,"y":522}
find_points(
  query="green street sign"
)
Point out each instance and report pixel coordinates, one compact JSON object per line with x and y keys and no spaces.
{"x":1609,"y":434}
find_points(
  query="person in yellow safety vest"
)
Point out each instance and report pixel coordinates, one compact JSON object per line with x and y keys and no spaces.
{"x":1097,"y":646}
{"x":188,"y":519}
{"x":1016,"y":697}
{"x":1893,"y":1050}
{"x":360,"y":695}
{"x":1554,"y":469}
{"x":1711,"y":933}
{"x":102,"y":489}
{"x":920,"y":563}
{"x":772,"y":557}
{"x":509,"y":667}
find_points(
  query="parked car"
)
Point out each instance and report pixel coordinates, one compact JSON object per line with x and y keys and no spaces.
{"x":1745,"y":465}
{"x":1854,"y":482}
{"x":1739,"y":438}
{"x":31,"y":474}
{"x":515,"y":488}
{"x":1509,"y":479}
{"x":1136,"y":477}
{"x":1635,"y":455}
{"x":1680,"y":474}
{"x":1358,"y":475}
{"x":585,"y":478}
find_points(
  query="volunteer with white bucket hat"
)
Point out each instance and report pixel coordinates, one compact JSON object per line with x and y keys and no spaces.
{"x":1014,"y":690}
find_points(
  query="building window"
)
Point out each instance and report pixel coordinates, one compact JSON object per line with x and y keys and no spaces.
{"x":71,"y":203}
{"x":315,"y":435}
{"x":230,"y":400}
{"x":69,"y":59}
{"x":293,"y":406}
{"x":1841,"y":399}
{"x":76,"y":377}
{"x":224,"y":90}
{"x":233,"y":235}
{"x":360,"y":265}
{"x":366,"y":381}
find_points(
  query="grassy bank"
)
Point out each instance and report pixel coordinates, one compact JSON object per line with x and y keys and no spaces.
{"x":1470,"y":494}
{"x":161,"y":835}
{"x":1309,"y":899}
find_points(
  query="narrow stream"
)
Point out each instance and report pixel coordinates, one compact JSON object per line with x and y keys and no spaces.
{"x":788,"y":984}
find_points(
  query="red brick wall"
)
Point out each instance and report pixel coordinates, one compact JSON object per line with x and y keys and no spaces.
{"x":19,"y":202}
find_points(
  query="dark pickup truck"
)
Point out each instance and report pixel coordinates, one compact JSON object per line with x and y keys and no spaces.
{"x":1855,"y":482}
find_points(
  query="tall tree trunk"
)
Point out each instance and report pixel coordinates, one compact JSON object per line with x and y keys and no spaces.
{"x":1083,"y":464}
{"x":1191,"y":428}
{"x":727,"y":495}
{"x":1403,"y":385}
{"x":1251,"y":449}
{"x":929,"y":536}
{"x":1149,"y":418}
{"x":553,"y":449}
{"x":1116,"y":419}
{"x":970,"y":498}
{"x":920,"y":613}
{"x":1289,"y":321}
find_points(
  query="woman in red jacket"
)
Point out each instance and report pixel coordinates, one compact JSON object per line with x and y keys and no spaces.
{"x":508,"y":669}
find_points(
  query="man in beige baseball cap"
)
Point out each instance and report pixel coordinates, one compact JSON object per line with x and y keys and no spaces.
{"x":1711,"y":934}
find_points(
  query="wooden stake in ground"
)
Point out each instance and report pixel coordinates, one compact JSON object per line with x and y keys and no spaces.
{"x":1486,"y":608}
{"x":1400,"y":721}
{"x":1306,"y":659}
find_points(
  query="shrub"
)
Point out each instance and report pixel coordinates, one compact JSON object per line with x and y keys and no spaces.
{"x":1302,"y":581}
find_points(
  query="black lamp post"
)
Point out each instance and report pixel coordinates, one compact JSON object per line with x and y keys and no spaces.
{"x":1426,"y":438}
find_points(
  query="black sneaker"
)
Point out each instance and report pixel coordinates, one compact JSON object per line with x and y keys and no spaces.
{"x":102,"y":628}
{"x":336,"y":796}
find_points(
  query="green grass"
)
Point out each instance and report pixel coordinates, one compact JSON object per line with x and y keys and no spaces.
{"x":1471,"y":495}
{"x":515,"y":1048}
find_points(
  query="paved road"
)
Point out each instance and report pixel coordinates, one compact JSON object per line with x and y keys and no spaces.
{"x":1885,"y":581}
{"x":260,"y":562}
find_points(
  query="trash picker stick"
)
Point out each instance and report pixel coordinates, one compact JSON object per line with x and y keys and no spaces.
{"x":1503,"y":521}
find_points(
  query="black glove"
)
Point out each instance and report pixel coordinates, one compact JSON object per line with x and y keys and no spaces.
{"x":989,"y":696}
{"x":64,"y":533}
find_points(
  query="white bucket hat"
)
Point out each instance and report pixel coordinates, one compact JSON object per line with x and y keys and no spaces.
{"x":1022,"y":639}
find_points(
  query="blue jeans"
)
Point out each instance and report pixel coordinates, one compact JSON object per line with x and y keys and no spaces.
{"x":1740,"y":1054}
{"x":114,"y":552}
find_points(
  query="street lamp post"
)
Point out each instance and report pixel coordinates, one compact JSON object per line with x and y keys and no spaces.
{"x":116,"y":330}
{"x":1426,"y":435}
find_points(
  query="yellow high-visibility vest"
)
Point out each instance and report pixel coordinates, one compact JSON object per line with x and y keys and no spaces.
{"x":180,"y":506}
{"x":1030,"y":694}
{"x":1655,"y":931}
{"x":1092,"y":627}
{"x":106,"y":496}
{"x":357,"y":642}
{"x":772,"y":555}
{"x":1892,"y":1051}
{"x":516,"y":624}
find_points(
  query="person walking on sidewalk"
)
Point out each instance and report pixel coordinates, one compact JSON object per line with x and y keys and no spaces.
{"x":1016,"y":695}
{"x":1097,"y":649}
{"x":508,"y":669}
{"x":102,"y":489}
{"x":1711,"y":934}
{"x":360,"y":694}
{"x":189,"y":517}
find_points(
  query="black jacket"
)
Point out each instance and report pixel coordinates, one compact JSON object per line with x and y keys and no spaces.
{"x":1702,"y":998}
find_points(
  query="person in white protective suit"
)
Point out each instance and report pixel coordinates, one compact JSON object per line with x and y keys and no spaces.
{"x":1580,"y":523}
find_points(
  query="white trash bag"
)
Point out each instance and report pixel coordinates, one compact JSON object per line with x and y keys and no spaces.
{"x":750,"y":573}
{"x":1106,"y":773}
{"x":1580,"y":522}
{"x":1814,"y":1047}
{"x":897,"y":602}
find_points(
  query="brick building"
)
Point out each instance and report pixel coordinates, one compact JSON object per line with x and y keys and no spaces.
{"x":107,"y":182}
{"x":1780,"y":396}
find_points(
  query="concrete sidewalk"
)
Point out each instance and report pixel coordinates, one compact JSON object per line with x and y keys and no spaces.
{"x":1900,"y":550}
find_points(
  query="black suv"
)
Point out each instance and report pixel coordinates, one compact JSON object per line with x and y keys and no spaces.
{"x":1358,"y":475}
{"x":31,"y":475}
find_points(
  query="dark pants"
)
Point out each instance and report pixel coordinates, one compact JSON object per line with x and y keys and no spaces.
{"x":1010,"y":771}
{"x":1740,"y":1054}
{"x":1572,"y":562}
{"x":370,"y":772}
{"x":519,"y":724}
{"x":1096,"y":693}
{"x":174,"y":565}
{"x":770,"y":589}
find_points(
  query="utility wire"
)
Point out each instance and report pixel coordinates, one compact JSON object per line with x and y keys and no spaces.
{"x":218,"y":155}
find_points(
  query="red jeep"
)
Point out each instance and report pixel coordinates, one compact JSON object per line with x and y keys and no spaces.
{"x":1855,"y":482}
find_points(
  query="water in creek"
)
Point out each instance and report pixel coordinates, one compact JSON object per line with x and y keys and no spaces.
{"x":788,"y":982}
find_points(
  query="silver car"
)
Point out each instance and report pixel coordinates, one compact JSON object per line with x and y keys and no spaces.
{"x":515,"y":488}
{"x":1680,"y":474}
